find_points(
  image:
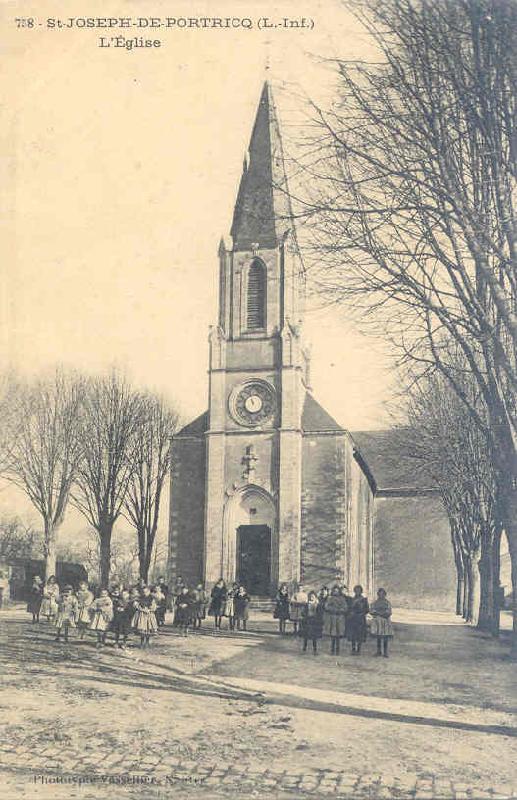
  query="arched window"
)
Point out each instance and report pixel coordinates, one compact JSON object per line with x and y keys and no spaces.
{"x":256,"y":305}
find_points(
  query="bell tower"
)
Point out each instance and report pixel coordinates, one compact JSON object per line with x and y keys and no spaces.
{"x":258,"y":376}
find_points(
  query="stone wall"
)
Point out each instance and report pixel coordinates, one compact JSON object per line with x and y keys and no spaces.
{"x":187,"y":509}
{"x":413,"y":557}
{"x":324,"y":508}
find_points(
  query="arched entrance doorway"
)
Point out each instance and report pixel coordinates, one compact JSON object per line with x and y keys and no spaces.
{"x":250,"y":548}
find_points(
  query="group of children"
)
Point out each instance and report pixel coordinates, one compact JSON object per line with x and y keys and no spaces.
{"x":232,"y":602}
{"x":141,"y":609}
{"x":120,"y":611}
{"x":336,"y":614}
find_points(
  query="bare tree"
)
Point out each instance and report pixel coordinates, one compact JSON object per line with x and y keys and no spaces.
{"x":110,"y":418}
{"x":18,"y":540}
{"x":42,"y":449}
{"x":151,"y":459}
{"x":442,"y":443}
{"x":411,"y":177}
{"x":123,"y":560}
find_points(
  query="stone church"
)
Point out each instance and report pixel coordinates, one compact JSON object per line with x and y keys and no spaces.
{"x":266,"y":487}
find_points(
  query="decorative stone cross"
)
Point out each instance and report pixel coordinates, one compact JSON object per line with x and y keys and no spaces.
{"x":249,"y":460}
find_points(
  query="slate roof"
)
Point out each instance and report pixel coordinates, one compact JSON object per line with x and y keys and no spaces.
{"x":381,"y":451}
{"x":197,"y":427}
{"x":263,"y":210}
{"x":315,"y":418}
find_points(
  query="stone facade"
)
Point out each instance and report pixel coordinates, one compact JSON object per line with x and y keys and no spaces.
{"x":265,"y":487}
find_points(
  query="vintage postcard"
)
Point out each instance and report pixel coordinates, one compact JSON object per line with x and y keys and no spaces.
{"x":258,"y":336}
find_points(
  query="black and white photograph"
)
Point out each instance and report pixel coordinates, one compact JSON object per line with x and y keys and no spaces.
{"x":258,"y":400}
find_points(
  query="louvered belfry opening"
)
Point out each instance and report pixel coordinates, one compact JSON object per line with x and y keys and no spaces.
{"x":256,"y":306}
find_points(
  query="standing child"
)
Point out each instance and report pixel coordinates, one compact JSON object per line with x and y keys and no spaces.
{"x":200,"y":604}
{"x":356,"y":620}
{"x":162,"y":605}
{"x":312,"y":622}
{"x":217,"y":602}
{"x":50,"y":598}
{"x":334,"y":618}
{"x":122,"y":615}
{"x":102,"y":614}
{"x":66,"y":613}
{"x":381,"y":626}
{"x":298,"y":603}
{"x":144,"y":619}
{"x":323,"y":596}
{"x":229,"y":607}
{"x":35,"y":598}
{"x":241,"y":602}
{"x":281,"y":612}
{"x":84,"y":602}
{"x":159,"y":599}
{"x":178,"y":587}
{"x":185,"y":610}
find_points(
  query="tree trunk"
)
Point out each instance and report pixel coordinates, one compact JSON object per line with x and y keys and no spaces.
{"x":512,"y":547}
{"x":466,"y":590}
{"x":496,"y":581}
{"x":459,"y":594}
{"x":508,"y":511}
{"x":475,"y":589}
{"x":485,"y":620}
{"x":143,"y":559}
{"x":505,"y":459}
{"x":105,"y":532}
{"x":459,"y":582}
{"x":49,"y":549}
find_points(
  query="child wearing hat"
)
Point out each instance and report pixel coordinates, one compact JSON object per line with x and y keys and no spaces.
{"x":66,"y":613}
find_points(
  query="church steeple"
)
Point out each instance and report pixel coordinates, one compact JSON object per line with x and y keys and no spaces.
{"x":263,"y":211}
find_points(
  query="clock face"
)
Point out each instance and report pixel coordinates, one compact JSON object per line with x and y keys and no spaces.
{"x":253,"y":403}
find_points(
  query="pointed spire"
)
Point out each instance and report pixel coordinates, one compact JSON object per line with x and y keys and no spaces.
{"x":263,"y":210}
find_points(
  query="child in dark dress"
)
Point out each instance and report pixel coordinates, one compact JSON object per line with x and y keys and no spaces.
{"x":312,"y":622}
{"x":178,"y":586}
{"x":281,"y":612}
{"x":241,"y":602}
{"x":185,"y":610}
{"x":218,"y":602}
{"x":356,"y":621}
{"x":35,"y":598}
{"x":122,"y":616}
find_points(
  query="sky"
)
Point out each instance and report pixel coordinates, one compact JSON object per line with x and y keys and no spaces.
{"x":121,"y":174}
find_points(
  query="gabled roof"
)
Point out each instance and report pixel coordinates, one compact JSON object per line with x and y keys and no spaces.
{"x":197,"y":427}
{"x":315,"y":418}
{"x":263,"y":210}
{"x":392,"y":471}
